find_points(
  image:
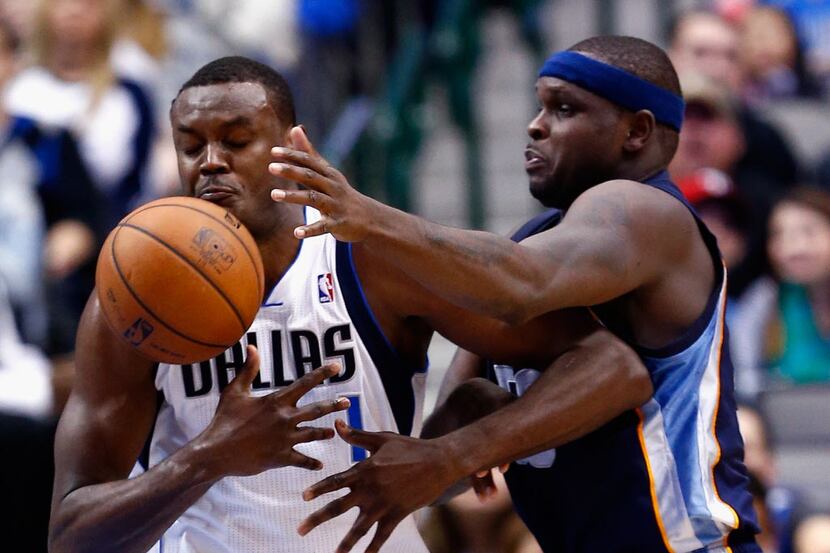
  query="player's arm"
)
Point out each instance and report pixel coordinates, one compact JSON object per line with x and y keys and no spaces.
{"x":593,"y":379}
{"x":612,"y":241}
{"x":468,"y":401}
{"x":107,"y":420}
{"x":589,"y":384}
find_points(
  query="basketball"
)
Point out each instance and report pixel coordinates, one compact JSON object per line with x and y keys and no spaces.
{"x":180,"y":279}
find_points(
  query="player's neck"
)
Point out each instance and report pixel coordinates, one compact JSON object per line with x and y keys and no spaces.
{"x":639,"y":169}
{"x":280,"y":249}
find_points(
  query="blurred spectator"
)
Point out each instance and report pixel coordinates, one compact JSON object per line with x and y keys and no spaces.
{"x":712,"y":138}
{"x":777,"y":502}
{"x":704,"y":42}
{"x":20,"y":15}
{"x":263,"y":29}
{"x":141,"y":45}
{"x":767,"y":538}
{"x":722,"y":208}
{"x":49,"y":222}
{"x":26,"y":434}
{"x":73,"y":86}
{"x":701,"y":41}
{"x":812,"y":535}
{"x":467,"y":524}
{"x":799,"y":250}
{"x":812,"y":20}
{"x":772,"y":58}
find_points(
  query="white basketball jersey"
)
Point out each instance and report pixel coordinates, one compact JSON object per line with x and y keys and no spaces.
{"x":315,"y":314}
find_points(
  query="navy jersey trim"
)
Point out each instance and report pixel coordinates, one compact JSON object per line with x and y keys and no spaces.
{"x":542,"y":222}
{"x":144,"y":456}
{"x":395,"y":372}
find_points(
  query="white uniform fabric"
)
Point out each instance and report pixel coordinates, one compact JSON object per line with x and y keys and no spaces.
{"x":305,"y":319}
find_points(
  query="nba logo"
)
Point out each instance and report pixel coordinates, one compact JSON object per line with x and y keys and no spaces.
{"x":325,"y":288}
{"x":138,"y":331}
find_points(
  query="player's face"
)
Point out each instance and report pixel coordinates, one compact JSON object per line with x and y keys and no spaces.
{"x":223,"y":135}
{"x":575,"y":142}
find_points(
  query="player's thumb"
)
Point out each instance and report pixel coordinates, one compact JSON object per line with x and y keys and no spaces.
{"x":245,"y":376}
{"x":360,"y":438}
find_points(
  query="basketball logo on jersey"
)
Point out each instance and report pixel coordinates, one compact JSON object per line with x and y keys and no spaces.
{"x":325,"y":288}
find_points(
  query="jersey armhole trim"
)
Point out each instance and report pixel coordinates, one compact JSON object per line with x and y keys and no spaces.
{"x":395,"y":372}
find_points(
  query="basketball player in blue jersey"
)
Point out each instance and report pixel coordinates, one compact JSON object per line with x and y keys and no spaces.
{"x":231,"y":448}
{"x":665,"y":477}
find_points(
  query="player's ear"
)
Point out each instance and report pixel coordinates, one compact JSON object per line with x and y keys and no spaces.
{"x":641,"y":125}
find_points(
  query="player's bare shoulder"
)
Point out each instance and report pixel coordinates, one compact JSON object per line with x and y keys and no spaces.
{"x":640,"y":210}
{"x":99,"y":349}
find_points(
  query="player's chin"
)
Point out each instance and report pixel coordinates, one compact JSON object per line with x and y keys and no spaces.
{"x":544,"y":192}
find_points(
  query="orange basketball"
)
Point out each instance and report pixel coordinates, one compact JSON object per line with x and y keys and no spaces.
{"x":180,"y":279}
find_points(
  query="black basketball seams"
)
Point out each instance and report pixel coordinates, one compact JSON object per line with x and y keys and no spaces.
{"x":144,"y":306}
{"x":232,"y":230}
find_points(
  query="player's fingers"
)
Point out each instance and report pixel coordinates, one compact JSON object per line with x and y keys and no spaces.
{"x":308,"y":381}
{"x":382,"y":533}
{"x":484,"y":486}
{"x":297,"y":158}
{"x":300,"y":140}
{"x":502,"y":469}
{"x":367,"y":440}
{"x":321,"y":409}
{"x":315,"y":229}
{"x":313,"y":198}
{"x":297,"y":459}
{"x":303,"y":175}
{"x":312,"y":434}
{"x":332,"y":509}
{"x":245,"y":376}
{"x":328,"y":485}
{"x":358,"y":530}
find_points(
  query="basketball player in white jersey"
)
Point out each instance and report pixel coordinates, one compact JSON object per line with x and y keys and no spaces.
{"x":228,"y":458}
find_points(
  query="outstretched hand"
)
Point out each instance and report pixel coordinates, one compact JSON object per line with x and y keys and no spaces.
{"x":251,"y":434}
{"x":401,"y":475}
{"x":345,"y":213}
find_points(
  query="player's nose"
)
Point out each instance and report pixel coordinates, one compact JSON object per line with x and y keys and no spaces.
{"x":537,"y":129}
{"x":214,"y":160}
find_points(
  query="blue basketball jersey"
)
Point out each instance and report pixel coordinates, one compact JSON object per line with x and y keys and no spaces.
{"x":667,"y":477}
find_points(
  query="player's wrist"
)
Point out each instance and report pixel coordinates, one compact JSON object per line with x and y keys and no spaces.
{"x":199,"y":463}
{"x":457,"y":458}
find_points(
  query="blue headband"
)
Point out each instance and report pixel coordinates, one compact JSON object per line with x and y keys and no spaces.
{"x":616,"y":85}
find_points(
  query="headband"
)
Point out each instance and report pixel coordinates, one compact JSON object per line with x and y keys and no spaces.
{"x":616,"y":85}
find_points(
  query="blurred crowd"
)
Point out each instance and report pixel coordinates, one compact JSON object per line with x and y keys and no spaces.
{"x":86,"y":85}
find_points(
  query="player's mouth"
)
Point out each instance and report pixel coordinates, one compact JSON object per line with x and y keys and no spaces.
{"x":216,"y":194}
{"x":533,"y":160}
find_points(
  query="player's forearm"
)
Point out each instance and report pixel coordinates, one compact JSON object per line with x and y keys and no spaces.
{"x":131,"y":515}
{"x":480,"y":271}
{"x":583,"y":389}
